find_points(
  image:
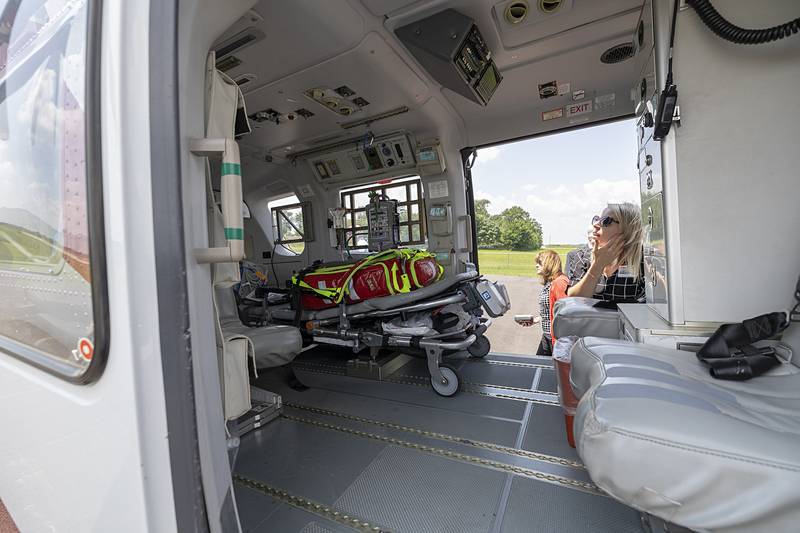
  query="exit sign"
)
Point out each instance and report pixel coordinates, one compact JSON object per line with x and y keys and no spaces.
{"x":580,"y":108}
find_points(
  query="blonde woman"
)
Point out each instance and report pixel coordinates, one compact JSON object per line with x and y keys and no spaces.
{"x":615,"y":272}
{"x":554,"y":287}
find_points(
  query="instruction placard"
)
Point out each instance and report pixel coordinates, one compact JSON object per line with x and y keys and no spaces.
{"x":438,"y":189}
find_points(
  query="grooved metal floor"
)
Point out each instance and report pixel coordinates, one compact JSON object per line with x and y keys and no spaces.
{"x":351,"y":454}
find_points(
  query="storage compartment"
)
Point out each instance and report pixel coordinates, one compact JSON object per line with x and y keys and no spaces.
{"x":640,"y":323}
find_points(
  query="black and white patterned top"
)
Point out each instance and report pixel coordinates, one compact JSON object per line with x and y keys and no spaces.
{"x":544,"y":308}
{"x":579,"y":258}
{"x":619,"y":287}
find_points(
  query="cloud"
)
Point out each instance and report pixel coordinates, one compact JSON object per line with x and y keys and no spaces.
{"x":488,"y":154}
{"x":565,"y":211}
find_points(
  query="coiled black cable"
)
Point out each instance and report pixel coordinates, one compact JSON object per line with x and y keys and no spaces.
{"x":734,"y":33}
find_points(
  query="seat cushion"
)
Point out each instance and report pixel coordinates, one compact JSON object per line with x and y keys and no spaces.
{"x":657,"y":432}
{"x":578,"y":316}
{"x":273,"y":345}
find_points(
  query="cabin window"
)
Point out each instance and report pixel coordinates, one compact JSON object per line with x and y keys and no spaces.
{"x":51,"y":254}
{"x":410,"y":206}
{"x":291,"y":225}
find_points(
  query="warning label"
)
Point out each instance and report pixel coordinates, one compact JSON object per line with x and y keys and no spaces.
{"x":553,"y":113}
{"x":581,"y":108}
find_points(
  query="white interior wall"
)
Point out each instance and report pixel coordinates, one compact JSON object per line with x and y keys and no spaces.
{"x":200,"y":22}
{"x":727,"y":166}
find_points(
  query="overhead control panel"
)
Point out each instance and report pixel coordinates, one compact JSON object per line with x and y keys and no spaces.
{"x":453,"y":51}
{"x":356,"y":159}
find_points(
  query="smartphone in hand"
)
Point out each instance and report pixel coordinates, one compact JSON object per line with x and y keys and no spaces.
{"x":527,"y":320}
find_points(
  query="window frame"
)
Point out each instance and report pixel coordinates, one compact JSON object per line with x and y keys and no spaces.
{"x":351,"y":212}
{"x":307,"y":230}
{"x":95,"y":226}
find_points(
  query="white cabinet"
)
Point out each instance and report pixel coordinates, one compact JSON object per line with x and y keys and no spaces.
{"x":640,"y":323}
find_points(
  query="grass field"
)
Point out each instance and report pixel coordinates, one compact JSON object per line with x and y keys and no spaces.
{"x":508,"y":263}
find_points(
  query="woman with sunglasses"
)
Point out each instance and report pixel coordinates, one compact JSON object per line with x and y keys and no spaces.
{"x":615,"y":271}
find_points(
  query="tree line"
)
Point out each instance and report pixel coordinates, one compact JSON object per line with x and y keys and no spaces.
{"x":513,"y":229}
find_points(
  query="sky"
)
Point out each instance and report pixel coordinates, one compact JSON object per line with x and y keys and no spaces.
{"x":562,"y":180}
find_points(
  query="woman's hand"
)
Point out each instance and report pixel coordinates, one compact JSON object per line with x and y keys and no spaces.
{"x":602,"y":257}
{"x":608,"y":253}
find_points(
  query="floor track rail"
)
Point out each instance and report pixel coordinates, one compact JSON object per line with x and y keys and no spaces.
{"x":421,"y":381}
{"x":335,"y":515}
{"x":440,"y":436}
{"x":582,"y":486}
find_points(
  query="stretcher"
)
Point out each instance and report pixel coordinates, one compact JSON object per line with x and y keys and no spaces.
{"x":433,"y":322}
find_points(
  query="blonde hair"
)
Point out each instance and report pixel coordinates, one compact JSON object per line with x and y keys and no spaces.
{"x":630,"y":220}
{"x":550,"y":262}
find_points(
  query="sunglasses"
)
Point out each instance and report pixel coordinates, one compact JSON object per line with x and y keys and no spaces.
{"x":603,"y":221}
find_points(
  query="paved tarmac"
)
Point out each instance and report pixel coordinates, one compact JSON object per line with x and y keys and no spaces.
{"x":506,"y":335}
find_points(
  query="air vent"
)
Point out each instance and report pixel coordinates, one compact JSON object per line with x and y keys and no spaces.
{"x":228,"y":63}
{"x":241,"y":40}
{"x":549,"y":6}
{"x":618,"y":53}
{"x":244,"y":79}
{"x":516,"y":12}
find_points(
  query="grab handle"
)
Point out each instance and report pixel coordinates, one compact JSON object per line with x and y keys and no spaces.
{"x":468,"y":232}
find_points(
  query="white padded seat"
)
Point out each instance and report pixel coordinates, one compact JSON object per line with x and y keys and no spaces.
{"x":658,"y":433}
{"x":579,"y":317}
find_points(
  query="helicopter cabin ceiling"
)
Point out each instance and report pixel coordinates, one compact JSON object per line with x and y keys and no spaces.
{"x":310,"y":70}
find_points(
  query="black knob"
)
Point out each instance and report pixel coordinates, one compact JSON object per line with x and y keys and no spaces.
{"x":648,"y":120}
{"x":648,"y":160}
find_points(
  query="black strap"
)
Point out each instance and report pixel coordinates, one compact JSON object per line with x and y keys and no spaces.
{"x":730,"y":354}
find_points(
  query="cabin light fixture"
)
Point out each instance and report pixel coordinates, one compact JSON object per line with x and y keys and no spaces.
{"x":374,"y":118}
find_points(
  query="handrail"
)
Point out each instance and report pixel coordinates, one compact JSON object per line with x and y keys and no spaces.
{"x":231,"y":185}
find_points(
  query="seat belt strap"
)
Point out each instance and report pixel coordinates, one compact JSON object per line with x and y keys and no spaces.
{"x":729,"y":352}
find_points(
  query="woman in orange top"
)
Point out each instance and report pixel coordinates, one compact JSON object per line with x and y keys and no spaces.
{"x":555,"y":283}
{"x":554,"y":287}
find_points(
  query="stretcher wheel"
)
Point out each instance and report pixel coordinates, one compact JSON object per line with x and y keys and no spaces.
{"x":480,"y":347}
{"x":449,"y":388}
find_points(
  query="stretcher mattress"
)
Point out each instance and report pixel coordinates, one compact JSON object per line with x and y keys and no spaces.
{"x":395,"y":271}
{"x":285,"y":312}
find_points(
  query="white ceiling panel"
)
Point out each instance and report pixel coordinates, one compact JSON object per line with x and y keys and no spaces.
{"x":515,"y":109}
{"x":300,"y":33}
{"x":576,"y":16}
{"x":373,"y":70}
